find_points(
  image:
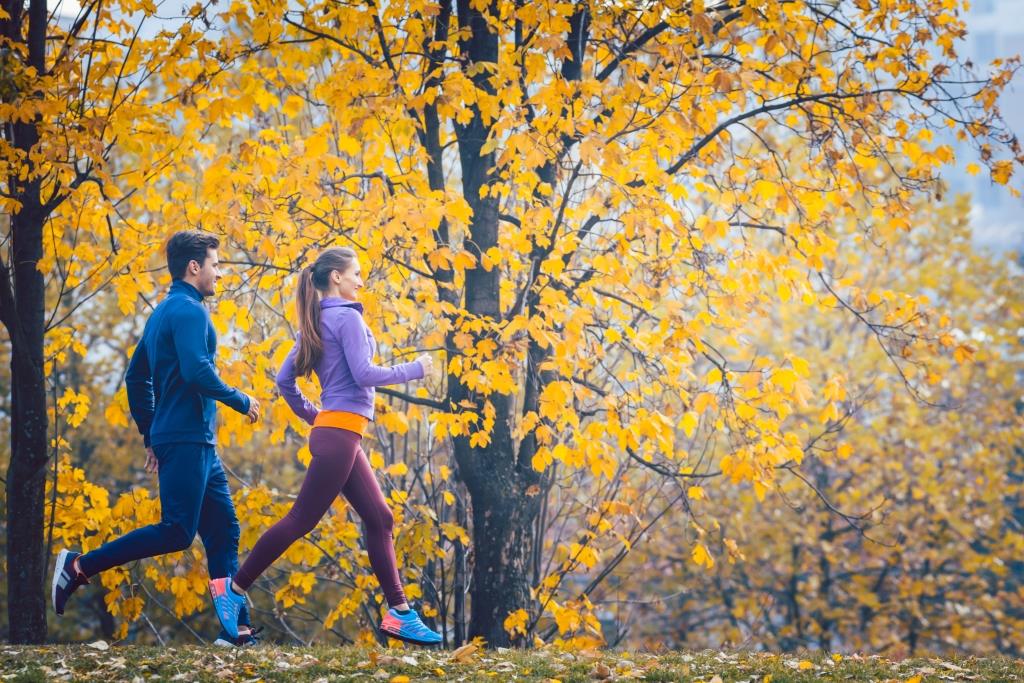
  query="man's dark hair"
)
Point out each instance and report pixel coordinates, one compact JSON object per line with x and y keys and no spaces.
{"x":188,"y":245}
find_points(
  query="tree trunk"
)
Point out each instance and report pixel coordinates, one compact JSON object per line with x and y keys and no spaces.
{"x":502,"y":539}
{"x":459,"y":583}
{"x":22,"y":309}
{"x":26,"y":475}
{"x":502,"y":513}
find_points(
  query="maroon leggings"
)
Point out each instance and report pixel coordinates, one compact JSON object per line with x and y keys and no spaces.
{"x":338,"y":465}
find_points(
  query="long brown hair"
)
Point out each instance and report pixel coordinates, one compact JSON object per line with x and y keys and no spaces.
{"x":313,"y":282}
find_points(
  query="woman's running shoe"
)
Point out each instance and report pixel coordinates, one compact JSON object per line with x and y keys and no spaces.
{"x":409,"y":627}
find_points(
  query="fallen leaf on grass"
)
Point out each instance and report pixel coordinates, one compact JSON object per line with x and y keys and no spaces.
{"x":464,"y":653}
{"x":100,"y":645}
{"x":601,"y":671}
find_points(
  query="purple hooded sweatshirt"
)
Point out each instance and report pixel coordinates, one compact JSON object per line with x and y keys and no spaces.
{"x":346,"y":370}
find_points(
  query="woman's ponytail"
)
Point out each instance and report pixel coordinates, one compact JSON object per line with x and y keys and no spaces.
{"x":313,"y":281}
{"x":311,"y":344}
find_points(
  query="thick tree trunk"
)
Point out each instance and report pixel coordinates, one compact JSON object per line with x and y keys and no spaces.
{"x":26,"y":475}
{"x":22,"y":308}
{"x":503,"y":531}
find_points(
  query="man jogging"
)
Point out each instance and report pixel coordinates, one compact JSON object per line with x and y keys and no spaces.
{"x":173,"y":388}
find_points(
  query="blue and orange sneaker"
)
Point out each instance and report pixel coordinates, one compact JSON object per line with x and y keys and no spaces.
{"x":67,"y":578}
{"x":227,"y":603}
{"x":409,"y":627}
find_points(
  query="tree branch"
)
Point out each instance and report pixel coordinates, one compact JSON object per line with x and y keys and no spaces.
{"x":416,"y":400}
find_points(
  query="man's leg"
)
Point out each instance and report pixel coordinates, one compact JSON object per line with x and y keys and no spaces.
{"x":182,"y":482}
{"x":218,"y":525}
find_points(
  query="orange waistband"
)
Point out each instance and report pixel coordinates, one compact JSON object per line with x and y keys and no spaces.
{"x":341,"y":419}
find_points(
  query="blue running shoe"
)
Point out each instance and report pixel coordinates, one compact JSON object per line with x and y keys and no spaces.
{"x":227,"y":604}
{"x":67,"y":578}
{"x":408,"y":627}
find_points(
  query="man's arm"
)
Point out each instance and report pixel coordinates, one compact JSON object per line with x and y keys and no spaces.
{"x":352,"y":335}
{"x":138,"y":382}
{"x":189,"y":332}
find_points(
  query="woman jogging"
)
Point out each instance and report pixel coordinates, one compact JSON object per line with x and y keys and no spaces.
{"x":335,"y":343}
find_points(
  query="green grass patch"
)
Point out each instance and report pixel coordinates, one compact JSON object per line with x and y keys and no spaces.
{"x":322,"y":664}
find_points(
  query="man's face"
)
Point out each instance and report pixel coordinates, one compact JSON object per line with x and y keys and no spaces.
{"x":205,"y":278}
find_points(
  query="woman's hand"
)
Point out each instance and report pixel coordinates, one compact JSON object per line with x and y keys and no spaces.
{"x":428,"y":364}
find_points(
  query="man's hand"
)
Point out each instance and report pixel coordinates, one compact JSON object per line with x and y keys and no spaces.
{"x":428,"y":364}
{"x":151,"y":464}
{"x":254,"y":410}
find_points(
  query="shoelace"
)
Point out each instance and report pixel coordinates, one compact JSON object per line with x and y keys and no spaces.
{"x":252,"y":637}
{"x":76,"y":574}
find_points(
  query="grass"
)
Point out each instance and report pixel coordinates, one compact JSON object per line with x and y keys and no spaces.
{"x":98,"y":662}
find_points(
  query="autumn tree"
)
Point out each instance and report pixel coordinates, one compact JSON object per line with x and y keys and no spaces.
{"x":898,"y":533}
{"x":75,"y":94}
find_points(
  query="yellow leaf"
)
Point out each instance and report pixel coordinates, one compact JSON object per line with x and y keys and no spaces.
{"x":784,"y":291}
{"x":376,"y":460}
{"x":516,"y":621}
{"x":702,"y":557}
{"x":785,"y":379}
{"x":963,"y":353}
{"x":801,"y":366}
{"x":689,"y":423}
{"x":704,"y":400}
{"x":464,"y":653}
{"x":695,"y":493}
{"x":1001,"y":171}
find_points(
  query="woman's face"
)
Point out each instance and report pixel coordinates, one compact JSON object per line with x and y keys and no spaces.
{"x":347,"y":284}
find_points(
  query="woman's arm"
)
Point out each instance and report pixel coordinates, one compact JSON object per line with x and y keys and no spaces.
{"x":299,"y":404}
{"x":351,"y":333}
